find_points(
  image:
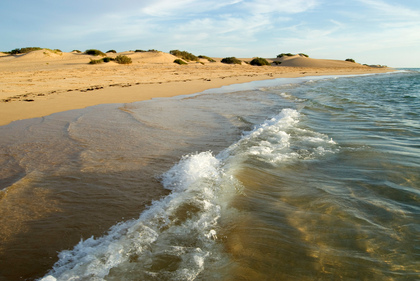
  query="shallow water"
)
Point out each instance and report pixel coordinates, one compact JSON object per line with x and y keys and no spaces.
{"x":289,"y":179}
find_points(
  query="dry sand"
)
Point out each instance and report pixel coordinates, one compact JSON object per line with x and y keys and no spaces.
{"x":44,"y":82}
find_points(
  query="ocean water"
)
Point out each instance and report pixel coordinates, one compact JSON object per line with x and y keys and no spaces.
{"x":314,"y":178}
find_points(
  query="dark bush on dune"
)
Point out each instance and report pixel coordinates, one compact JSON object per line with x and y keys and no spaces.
{"x":291,"y":55}
{"x":148,"y":51}
{"x":94,"y":52}
{"x":184,"y":55}
{"x":350,"y":60}
{"x":207,"y":58}
{"x":121,"y":59}
{"x":24,"y":50}
{"x":285,"y":55}
{"x":96,"y":61}
{"x":31,"y":49}
{"x":259,"y":62}
{"x":231,"y":60}
{"x":179,"y":61}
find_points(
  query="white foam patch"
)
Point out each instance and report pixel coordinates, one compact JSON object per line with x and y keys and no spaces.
{"x":280,"y":139}
{"x":178,"y":231}
{"x":175,"y":238}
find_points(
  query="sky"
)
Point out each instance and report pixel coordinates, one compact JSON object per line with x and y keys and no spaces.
{"x":385,"y":32}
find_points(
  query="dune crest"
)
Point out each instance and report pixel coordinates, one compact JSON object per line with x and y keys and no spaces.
{"x":302,"y":61}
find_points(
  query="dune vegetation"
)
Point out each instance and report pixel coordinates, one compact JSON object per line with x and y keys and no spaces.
{"x":184,"y":55}
{"x":259,"y":62}
{"x":231,"y":60}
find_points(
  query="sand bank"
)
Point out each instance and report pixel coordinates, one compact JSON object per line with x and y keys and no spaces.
{"x":44,"y":82}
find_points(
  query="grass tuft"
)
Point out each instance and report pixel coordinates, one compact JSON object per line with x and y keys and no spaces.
{"x":184,"y":55}
{"x":96,"y":61}
{"x":259,"y":62}
{"x":24,"y":50}
{"x":291,"y":55}
{"x":94,"y":52}
{"x":180,"y":62}
{"x":207,"y":58}
{"x":148,"y":51}
{"x":231,"y":60}
{"x":122,"y":59}
{"x":285,"y":55}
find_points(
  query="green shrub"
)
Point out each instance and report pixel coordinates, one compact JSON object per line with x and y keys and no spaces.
{"x":56,"y":51}
{"x":259,"y":62}
{"x":231,"y":60}
{"x":179,"y":61}
{"x":96,"y":61}
{"x":148,"y":51}
{"x":77,"y":51}
{"x":24,"y":50}
{"x":207,"y":58}
{"x":112,"y":51}
{"x":350,"y":60}
{"x":303,"y":55}
{"x":285,"y":55}
{"x":94,"y":52}
{"x":184,"y":55}
{"x":277,"y":62}
{"x":122,"y":59}
{"x":105,"y":59}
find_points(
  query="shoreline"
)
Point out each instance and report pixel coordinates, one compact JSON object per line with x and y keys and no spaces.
{"x":112,"y":84}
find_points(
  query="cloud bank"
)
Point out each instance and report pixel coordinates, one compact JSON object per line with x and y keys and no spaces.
{"x":370,"y":31}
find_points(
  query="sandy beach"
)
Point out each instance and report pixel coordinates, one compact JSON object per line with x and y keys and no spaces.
{"x":44,"y":82}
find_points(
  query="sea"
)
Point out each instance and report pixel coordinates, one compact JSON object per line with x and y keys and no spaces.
{"x":313,"y":178}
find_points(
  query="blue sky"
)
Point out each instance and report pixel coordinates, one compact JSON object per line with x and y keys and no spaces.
{"x":369,"y":31}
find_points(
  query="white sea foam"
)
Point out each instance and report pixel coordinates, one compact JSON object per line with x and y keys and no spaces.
{"x":179,"y":230}
{"x":281,"y":138}
{"x":175,"y":238}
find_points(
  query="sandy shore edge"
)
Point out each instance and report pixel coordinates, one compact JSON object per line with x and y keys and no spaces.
{"x":58,"y":101}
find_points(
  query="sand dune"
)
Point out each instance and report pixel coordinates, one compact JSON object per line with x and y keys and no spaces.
{"x":151,"y":57}
{"x":43,"y":82}
{"x":302,"y":61}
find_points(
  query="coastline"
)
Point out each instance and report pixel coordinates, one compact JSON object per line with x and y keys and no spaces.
{"x":40,"y":89}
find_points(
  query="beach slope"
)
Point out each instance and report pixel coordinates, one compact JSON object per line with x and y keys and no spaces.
{"x":46,"y":81}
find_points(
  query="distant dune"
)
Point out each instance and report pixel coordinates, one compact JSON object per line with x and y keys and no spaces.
{"x":302,"y":61}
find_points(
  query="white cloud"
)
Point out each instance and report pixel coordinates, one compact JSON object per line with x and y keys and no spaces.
{"x":221,"y":27}
{"x":391,"y":11}
{"x":275,"y":6}
{"x":222,"y":31}
{"x":181,"y":8}
{"x":166,"y":7}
